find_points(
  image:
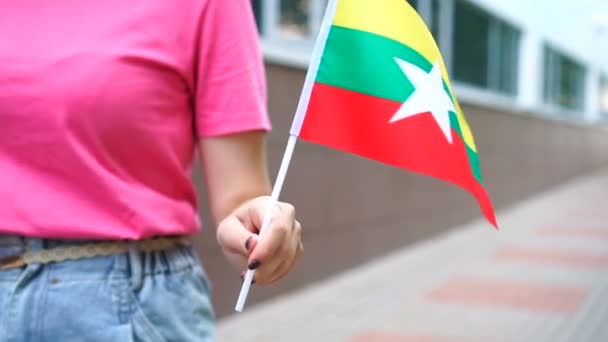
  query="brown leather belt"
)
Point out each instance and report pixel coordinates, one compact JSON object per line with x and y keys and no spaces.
{"x":91,"y":250}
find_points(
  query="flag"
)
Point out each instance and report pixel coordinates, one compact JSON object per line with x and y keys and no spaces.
{"x":377,"y":87}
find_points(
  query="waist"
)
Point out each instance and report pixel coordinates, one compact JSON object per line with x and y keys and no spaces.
{"x":133,"y":265}
{"x":38,"y":243}
{"x":17,"y":251}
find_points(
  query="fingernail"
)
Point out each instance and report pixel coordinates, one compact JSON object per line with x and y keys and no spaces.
{"x":243,"y":279}
{"x":254,"y":264}
{"x":248,"y":242}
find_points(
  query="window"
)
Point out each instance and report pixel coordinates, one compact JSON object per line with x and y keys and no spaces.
{"x":285,"y":21}
{"x":429,"y":10}
{"x":294,"y":20}
{"x":471,"y":48}
{"x":564,"y":80}
{"x":505,"y":63}
{"x":604,"y":96}
{"x":480,"y":49}
{"x":257,"y":11}
{"x":435,"y":19}
{"x":485,"y":50}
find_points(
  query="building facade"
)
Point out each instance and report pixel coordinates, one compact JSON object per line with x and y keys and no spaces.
{"x":543,"y":56}
{"x":530,"y":90}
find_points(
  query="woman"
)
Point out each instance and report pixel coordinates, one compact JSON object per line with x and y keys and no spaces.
{"x":102,"y":107}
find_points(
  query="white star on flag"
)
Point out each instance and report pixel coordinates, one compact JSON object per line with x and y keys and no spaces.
{"x":428,"y":96}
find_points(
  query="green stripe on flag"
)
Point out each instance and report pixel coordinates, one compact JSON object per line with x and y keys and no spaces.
{"x":365,"y":62}
{"x":473,"y":158}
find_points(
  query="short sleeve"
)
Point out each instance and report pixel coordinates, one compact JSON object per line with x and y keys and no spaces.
{"x":230,"y":94}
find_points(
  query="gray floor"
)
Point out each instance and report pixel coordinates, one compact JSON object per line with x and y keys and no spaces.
{"x":542,"y":277}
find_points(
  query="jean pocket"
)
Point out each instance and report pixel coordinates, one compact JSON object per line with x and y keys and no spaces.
{"x":173,"y":306}
{"x":76,"y":310}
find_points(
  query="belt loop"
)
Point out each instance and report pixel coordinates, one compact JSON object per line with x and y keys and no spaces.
{"x":136,"y":266}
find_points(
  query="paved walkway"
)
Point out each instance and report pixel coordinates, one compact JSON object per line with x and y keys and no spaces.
{"x":542,"y":277}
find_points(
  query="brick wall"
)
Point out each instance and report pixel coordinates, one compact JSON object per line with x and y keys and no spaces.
{"x":353,"y":209}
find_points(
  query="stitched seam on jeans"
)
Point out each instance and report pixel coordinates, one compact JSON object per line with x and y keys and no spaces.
{"x":138,"y":316}
{"x":124,"y":308}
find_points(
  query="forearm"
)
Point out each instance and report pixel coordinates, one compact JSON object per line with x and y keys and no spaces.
{"x":235,"y":171}
{"x":246,"y":189}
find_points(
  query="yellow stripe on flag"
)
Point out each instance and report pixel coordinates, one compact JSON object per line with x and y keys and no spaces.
{"x":467,"y":135}
{"x":394,"y":19}
{"x":397,"y":20}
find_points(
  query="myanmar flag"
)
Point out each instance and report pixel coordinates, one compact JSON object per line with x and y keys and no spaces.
{"x":377,"y":87}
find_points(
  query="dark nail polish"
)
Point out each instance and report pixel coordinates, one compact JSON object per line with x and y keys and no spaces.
{"x":248,"y":242}
{"x":243,"y":279}
{"x":254,"y":264}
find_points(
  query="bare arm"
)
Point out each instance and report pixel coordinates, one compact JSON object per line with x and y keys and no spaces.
{"x":235,"y":170}
{"x":238,"y":186}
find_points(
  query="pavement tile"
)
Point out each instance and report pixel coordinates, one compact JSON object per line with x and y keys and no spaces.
{"x":540,"y":278}
{"x":546,"y":298}
{"x":555,"y":257}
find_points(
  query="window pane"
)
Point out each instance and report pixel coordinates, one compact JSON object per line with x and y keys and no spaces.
{"x":572,"y":85}
{"x":581,"y":85}
{"x":435,"y":18}
{"x":548,"y":69}
{"x":295,"y":18}
{"x":257,"y":11}
{"x":508,"y":59}
{"x":429,"y":12}
{"x":565,"y":84}
{"x":604,"y":96}
{"x":471,"y":33}
{"x":564,"y":80}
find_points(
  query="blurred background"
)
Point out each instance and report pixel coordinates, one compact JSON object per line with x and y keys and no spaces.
{"x":532,"y":78}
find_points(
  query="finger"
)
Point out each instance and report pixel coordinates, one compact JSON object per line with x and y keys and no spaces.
{"x":253,"y":281}
{"x":281,"y":226}
{"x":234,"y":236}
{"x":268,"y":271}
{"x":285,"y":260}
{"x":280,"y":232}
{"x":252,"y":214}
{"x":286,"y":267}
{"x":288,"y":211}
{"x":257,"y":211}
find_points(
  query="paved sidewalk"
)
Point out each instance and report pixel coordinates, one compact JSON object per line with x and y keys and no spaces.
{"x":542,"y":277}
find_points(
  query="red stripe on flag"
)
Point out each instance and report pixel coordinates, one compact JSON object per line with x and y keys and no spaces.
{"x":359,"y":123}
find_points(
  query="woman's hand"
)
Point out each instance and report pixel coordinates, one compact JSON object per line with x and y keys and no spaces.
{"x":237,"y":182}
{"x":275,"y":253}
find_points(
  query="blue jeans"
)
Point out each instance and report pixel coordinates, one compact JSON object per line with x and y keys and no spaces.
{"x":158,"y":296}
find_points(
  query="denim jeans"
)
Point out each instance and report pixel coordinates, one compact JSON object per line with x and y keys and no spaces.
{"x":158,"y":296}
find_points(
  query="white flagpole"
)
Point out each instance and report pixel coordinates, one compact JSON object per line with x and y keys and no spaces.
{"x":311,"y":75}
{"x":274,"y":198}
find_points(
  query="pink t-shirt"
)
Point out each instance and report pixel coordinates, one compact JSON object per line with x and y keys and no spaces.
{"x":101,"y":106}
